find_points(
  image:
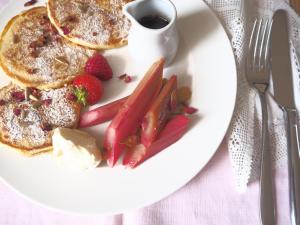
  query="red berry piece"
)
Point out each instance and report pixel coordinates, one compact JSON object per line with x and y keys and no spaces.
{"x":89,"y":89}
{"x":18,"y":96}
{"x":125,"y":77}
{"x":35,"y":92}
{"x":47,"y":102}
{"x":66,"y":30}
{"x":30,"y":3}
{"x":2,"y":102}
{"x":128,"y":79}
{"x":17,"y":111}
{"x":98,"y":66}
{"x":122,"y":77}
{"x":71,"y":96}
{"x":46,"y":127}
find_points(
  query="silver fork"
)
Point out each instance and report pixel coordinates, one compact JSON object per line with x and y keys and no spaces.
{"x":258,"y":74}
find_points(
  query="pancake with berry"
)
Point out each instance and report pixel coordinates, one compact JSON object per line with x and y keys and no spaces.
{"x":33,"y":53}
{"x":27,"y":125}
{"x":98,"y":24}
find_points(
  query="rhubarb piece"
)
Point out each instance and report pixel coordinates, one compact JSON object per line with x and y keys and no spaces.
{"x":159,"y":112}
{"x":171,"y":133}
{"x":189,"y":110}
{"x":129,"y":117}
{"x":101,"y":114}
{"x":173,"y":101}
{"x":132,"y":141}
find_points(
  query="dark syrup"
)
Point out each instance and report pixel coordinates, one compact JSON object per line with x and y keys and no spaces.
{"x":154,"y":21}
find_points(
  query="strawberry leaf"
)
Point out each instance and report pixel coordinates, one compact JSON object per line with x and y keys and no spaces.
{"x":81,"y":95}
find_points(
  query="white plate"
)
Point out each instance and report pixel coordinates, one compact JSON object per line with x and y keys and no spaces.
{"x":205,"y":61}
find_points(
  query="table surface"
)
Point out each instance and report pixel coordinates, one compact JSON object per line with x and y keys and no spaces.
{"x":210,"y":198}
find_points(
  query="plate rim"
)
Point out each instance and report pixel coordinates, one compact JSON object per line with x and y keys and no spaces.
{"x":145,"y":203}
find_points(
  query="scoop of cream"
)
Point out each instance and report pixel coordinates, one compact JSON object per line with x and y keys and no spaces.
{"x":75,"y":149}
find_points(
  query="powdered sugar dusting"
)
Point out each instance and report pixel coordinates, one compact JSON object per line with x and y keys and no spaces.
{"x":59,"y":113}
{"x":27,"y":129}
{"x":95,"y":22}
{"x":22,"y":132}
{"x":41,"y":52}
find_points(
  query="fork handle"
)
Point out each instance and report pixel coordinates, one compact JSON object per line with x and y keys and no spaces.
{"x":293,"y":164}
{"x":267,"y":206}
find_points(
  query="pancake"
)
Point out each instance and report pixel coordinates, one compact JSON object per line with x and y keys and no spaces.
{"x":27,"y":125}
{"x":98,"y":24}
{"x":33,"y":54}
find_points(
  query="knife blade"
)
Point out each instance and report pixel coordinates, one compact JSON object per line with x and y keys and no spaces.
{"x":281,"y":62}
{"x":284,"y":96}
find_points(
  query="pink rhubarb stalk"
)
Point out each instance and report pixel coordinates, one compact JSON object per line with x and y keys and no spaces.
{"x":171,"y":133}
{"x":129,"y":117}
{"x":101,"y":114}
{"x":159,"y":112}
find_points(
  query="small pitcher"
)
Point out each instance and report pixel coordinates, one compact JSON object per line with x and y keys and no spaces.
{"x":153,"y":33}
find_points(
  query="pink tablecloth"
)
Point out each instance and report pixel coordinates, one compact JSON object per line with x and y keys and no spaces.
{"x":210,"y":198}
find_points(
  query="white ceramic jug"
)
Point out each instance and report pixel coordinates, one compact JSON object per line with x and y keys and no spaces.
{"x":146,"y":45}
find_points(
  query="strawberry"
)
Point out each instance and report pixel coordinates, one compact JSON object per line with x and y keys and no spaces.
{"x":88,"y":89}
{"x":98,"y":66}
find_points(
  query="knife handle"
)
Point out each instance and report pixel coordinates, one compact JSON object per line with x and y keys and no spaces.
{"x":267,"y":206}
{"x":293,"y":164}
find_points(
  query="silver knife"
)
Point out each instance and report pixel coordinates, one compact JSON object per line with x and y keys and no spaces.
{"x":284,"y":95}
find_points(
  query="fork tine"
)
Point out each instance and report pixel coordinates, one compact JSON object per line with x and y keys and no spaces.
{"x":251,"y":46}
{"x":258,"y":46}
{"x":263,"y":48}
{"x":252,"y":34}
{"x":264,"y":63}
{"x":257,"y":63}
{"x":267,"y":43}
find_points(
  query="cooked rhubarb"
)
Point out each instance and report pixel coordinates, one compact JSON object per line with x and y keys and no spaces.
{"x":101,"y":114}
{"x":129,"y":117}
{"x":171,"y":133}
{"x":159,"y":112}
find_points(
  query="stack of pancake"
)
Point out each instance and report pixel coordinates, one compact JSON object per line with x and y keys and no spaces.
{"x":42,"y":50}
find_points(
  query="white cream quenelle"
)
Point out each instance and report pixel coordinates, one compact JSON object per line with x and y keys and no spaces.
{"x":75,"y":149}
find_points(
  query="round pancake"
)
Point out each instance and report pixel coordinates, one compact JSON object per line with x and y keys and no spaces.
{"x":98,"y":24}
{"x":27,"y":125}
{"x":33,"y":53}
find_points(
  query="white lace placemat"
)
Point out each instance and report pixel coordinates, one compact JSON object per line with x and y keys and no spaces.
{"x":244,"y":135}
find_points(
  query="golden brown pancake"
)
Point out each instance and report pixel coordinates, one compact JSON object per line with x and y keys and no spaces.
{"x":33,"y":54}
{"x":98,"y":24}
{"x":27,"y":125}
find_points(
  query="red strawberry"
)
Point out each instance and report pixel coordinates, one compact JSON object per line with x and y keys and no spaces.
{"x":98,"y":66}
{"x":88,"y":89}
